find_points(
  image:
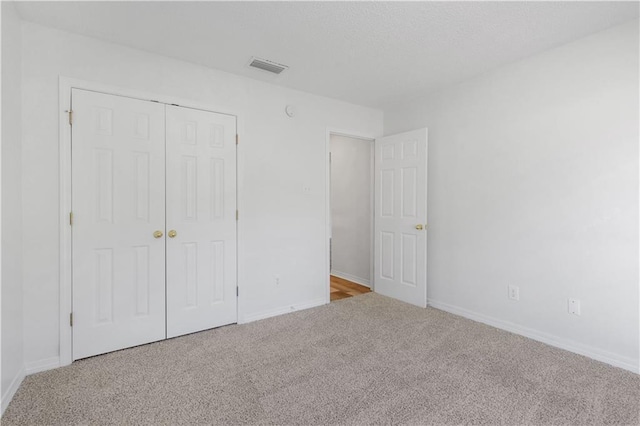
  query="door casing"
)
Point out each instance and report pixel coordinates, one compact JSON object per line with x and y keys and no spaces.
{"x":65,"y":85}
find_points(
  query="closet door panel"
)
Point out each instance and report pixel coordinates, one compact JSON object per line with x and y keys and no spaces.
{"x":201,"y":220}
{"x":118,"y":201}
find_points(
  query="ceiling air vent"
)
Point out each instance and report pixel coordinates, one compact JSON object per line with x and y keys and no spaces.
{"x":267,"y":65}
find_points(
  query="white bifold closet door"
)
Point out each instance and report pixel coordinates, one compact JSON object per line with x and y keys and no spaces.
{"x":118,"y":199}
{"x":154,"y":221}
{"x":201,"y":210}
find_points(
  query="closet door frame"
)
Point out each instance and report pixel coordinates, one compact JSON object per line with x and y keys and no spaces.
{"x":65,"y":86}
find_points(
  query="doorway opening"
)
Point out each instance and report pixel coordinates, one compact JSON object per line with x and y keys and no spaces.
{"x":351,"y":162}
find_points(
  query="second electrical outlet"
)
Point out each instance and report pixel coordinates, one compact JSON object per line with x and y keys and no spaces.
{"x":513,"y":292}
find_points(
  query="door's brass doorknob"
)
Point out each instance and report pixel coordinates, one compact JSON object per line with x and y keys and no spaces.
{"x":419,"y":227}
{"x":157,"y":234}
{"x":172,"y":233}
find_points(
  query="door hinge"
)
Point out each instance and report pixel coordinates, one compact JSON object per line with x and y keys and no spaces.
{"x":70,"y":117}
{"x":237,"y":214}
{"x":237,"y":291}
{"x":70,"y":218}
{"x":237,"y":139}
{"x":71,"y":319}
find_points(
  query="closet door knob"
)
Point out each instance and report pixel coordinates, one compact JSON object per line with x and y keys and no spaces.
{"x":157,"y":234}
{"x":419,"y":227}
{"x":172,"y":233}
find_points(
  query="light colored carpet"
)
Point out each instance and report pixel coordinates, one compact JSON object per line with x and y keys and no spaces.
{"x":363,"y":360}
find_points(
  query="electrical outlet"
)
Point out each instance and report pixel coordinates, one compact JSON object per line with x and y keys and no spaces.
{"x":513,"y":292}
{"x":574,"y":307}
{"x":276,"y":278}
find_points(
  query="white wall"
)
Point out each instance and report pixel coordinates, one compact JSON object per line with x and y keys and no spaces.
{"x":12,"y":360}
{"x":281,"y":229}
{"x":533,"y":181}
{"x":351,"y":208}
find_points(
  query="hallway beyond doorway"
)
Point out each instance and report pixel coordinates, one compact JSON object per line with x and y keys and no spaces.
{"x":342,"y":289}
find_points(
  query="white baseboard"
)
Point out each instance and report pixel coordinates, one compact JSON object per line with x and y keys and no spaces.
{"x":351,"y":278}
{"x":41,"y":365}
{"x":280,"y":311}
{"x":571,"y":346}
{"x":15,"y":384}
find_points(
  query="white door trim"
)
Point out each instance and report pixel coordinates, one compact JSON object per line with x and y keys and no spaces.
{"x":356,"y":135}
{"x":64,"y":142}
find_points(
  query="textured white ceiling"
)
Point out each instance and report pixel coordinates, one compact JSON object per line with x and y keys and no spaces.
{"x":368,"y":53}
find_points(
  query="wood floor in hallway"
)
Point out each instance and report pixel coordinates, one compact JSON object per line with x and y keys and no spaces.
{"x":341,"y":288}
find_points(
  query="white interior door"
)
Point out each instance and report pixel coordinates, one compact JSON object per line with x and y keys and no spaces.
{"x":118,"y":199}
{"x":400,"y":265}
{"x":201,"y":210}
